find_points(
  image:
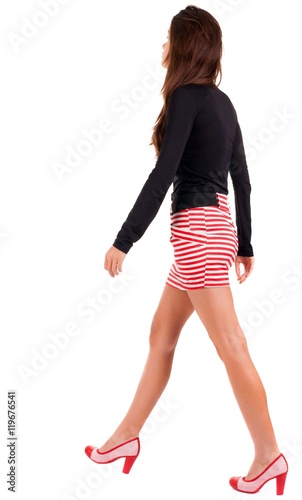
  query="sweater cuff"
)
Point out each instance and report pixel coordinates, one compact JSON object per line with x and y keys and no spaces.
{"x":123,"y":246}
{"x":245,"y":251}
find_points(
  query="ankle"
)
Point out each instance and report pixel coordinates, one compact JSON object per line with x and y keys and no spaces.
{"x":126,"y":432}
{"x":122,"y":435}
{"x":267,"y":455}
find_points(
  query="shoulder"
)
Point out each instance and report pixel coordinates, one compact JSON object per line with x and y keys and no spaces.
{"x":222,"y":101}
{"x":188,"y":97}
{"x":198,"y":97}
{"x":182,"y":93}
{"x":181,"y":101}
{"x":198,"y":94}
{"x":190,"y":91}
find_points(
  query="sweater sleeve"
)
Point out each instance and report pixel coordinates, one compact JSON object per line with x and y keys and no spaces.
{"x":242,"y":190}
{"x":181,"y":113}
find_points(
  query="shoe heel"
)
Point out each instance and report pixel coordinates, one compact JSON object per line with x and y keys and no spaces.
{"x":280,"y":482}
{"x":128,"y":464}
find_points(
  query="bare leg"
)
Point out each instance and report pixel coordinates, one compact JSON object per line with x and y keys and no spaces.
{"x":215,"y":308}
{"x":172,"y":313}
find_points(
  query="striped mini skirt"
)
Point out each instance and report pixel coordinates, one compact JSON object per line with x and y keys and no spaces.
{"x":205,"y":246}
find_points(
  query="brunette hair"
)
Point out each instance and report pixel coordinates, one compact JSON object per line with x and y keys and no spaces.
{"x":194,"y":57}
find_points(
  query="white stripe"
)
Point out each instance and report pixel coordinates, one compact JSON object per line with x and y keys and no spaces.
{"x":205,"y":245}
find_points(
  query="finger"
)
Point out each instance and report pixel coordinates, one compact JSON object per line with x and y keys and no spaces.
{"x":242,"y":279}
{"x":237,"y":269}
{"x":114,"y":267}
{"x":249,"y":269}
{"x":118,"y":267}
{"x":245,"y":275}
{"x":109,"y":269}
{"x":241,"y":275}
{"x":108,"y":265}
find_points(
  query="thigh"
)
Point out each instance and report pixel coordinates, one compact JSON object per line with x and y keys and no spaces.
{"x":173,"y":311}
{"x":215,"y":308}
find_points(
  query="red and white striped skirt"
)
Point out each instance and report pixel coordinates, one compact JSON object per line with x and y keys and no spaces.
{"x":205,"y":245}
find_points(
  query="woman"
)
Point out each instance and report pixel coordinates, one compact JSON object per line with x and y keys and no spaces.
{"x":198,"y":142}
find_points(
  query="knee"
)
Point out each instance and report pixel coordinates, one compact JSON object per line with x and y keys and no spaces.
{"x":161,"y":339}
{"x":232,"y":345}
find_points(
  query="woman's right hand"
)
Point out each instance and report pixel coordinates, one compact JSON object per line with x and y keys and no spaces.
{"x":113,"y":261}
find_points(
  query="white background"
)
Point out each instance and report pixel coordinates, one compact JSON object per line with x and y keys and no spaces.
{"x":71,"y":74}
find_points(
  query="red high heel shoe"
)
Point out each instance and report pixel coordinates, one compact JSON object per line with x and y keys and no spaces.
{"x":276,"y":470}
{"x":128,"y":450}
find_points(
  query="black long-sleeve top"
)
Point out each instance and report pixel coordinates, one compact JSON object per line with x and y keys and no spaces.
{"x":202,"y":144}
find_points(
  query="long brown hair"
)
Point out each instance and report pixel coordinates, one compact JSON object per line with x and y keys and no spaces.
{"x":194,"y":57}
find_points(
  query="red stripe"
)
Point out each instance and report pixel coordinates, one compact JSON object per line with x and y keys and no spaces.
{"x":205,"y":245}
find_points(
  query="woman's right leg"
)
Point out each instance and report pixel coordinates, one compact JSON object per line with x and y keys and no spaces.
{"x":172,"y":313}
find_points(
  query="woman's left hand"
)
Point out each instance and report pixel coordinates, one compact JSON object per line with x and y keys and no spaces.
{"x":113,"y":261}
{"x":248,"y":265}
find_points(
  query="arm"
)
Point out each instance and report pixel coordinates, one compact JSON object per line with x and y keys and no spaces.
{"x":242,"y":190}
{"x":181,"y":113}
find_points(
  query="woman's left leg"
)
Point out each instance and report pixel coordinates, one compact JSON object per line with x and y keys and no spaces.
{"x":173,"y":310}
{"x":215,"y":308}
